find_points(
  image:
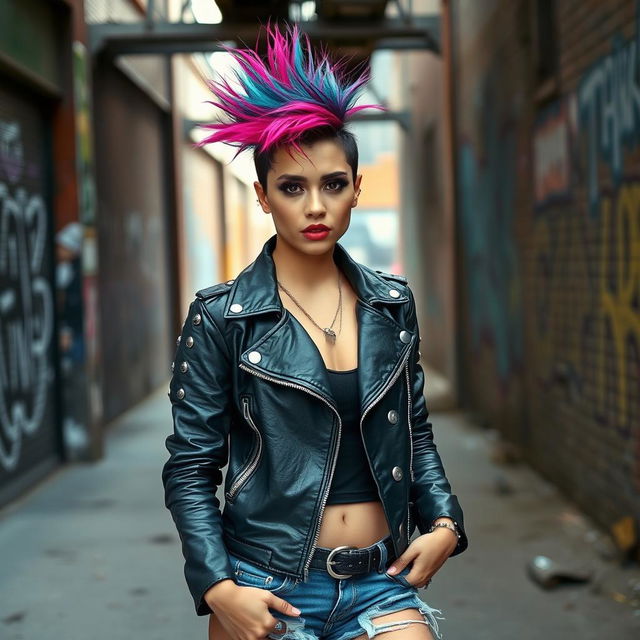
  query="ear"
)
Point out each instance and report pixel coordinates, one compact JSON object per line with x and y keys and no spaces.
{"x":357,"y":189}
{"x":262,"y":197}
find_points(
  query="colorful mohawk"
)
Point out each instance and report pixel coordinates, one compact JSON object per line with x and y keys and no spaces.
{"x":281,"y":98}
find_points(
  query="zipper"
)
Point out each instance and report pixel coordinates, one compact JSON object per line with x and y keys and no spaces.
{"x":409,"y":409}
{"x":316,"y":535}
{"x":253,"y":459}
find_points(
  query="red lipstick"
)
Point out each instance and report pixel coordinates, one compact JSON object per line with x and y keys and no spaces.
{"x":316,"y":232}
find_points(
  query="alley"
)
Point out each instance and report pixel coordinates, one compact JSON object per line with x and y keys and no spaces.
{"x":91,"y":553}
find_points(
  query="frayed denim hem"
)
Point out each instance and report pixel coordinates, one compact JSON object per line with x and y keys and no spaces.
{"x":373,"y":629}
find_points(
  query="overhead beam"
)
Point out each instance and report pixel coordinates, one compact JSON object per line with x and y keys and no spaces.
{"x":115,"y":39}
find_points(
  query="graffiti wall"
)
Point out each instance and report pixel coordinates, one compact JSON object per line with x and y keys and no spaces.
{"x":549,"y":213}
{"x":587,"y":257}
{"x":28,"y":439}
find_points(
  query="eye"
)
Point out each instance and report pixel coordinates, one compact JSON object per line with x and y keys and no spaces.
{"x":337,"y":185}
{"x":291,"y":188}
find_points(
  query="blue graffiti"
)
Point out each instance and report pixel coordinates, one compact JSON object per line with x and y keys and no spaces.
{"x":609,"y":109}
{"x":487,"y":211}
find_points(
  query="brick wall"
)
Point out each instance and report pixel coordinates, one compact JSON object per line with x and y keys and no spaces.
{"x":548,"y":192}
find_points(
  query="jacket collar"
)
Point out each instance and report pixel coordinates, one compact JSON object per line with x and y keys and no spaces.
{"x":383,"y":343}
{"x":255,"y":289}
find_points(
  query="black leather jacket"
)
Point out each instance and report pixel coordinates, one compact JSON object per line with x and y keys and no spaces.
{"x":249,"y":386}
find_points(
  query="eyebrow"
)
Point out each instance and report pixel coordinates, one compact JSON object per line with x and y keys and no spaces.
{"x":290,"y":176}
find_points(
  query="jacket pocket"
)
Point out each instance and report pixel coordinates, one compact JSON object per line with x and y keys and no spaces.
{"x":254,"y":457}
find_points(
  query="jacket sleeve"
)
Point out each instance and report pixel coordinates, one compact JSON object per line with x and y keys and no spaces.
{"x":200,"y":393}
{"x":430,"y":489}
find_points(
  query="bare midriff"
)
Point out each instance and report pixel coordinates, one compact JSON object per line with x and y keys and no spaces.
{"x":357,"y":524}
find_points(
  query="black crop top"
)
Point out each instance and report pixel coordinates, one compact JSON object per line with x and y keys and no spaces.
{"x":352,"y":479}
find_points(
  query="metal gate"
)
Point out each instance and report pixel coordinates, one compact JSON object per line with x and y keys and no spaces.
{"x":29,"y":441}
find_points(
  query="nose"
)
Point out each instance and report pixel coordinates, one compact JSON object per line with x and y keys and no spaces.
{"x":315,"y":204}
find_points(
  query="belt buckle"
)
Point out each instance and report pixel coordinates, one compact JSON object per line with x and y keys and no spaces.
{"x":330,"y":570}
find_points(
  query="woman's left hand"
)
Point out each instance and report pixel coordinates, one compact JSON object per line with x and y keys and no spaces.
{"x":428,"y":553}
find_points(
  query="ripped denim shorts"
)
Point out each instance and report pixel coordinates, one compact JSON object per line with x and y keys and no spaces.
{"x":339,"y":609}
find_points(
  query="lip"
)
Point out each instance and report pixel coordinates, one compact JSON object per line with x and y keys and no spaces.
{"x":315,"y":228}
{"x":317,"y":233}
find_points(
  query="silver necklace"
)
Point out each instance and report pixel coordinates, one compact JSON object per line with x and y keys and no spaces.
{"x":329,"y":333}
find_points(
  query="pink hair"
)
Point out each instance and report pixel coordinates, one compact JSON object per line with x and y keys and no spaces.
{"x":280,"y":99}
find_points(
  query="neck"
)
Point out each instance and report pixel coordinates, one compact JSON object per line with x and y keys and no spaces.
{"x":302,"y":271}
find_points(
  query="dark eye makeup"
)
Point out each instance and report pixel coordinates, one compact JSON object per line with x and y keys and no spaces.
{"x":294,"y":188}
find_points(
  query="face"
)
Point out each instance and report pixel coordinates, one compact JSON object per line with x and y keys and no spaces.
{"x":313,"y":190}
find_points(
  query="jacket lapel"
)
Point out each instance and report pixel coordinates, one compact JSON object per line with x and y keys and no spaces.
{"x":287,"y":352}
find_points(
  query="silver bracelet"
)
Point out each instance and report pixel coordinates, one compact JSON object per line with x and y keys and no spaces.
{"x":453,"y":527}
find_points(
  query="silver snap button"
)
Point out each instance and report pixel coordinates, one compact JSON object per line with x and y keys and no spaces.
{"x":189,"y":342}
{"x":405,"y":336}
{"x":230,"y":281}
{"x":394,"y":293}
{"x":180,"y":393}
{"x":254,"y":356}
{"x":396,"y":472}
{"x":184,"y":366}
{"x":235,"y":307}
{"x":197,"y":319}
{"x":178,"y":341}
{"x":392,"y":416}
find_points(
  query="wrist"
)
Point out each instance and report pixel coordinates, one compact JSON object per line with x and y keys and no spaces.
{"x":444,"y":522}
{"x":219,"y":591}
{"x":451,"y":537}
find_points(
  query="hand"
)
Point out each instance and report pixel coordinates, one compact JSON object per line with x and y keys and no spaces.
{"x":244,"y":611}
{"x":428,"y":553}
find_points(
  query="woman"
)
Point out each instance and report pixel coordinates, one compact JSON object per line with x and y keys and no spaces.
{"x":303,"y":374}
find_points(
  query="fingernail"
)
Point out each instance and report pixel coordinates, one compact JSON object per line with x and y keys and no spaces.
{"x":391,"y":570}
{"x":296,"y":611}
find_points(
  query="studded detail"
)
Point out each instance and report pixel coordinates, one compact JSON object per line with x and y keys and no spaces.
{"x":405,"y":336}
{"x":230,"y":281}
{"x":180,"y":393}
{"x":173,"y":366}
{"x":254,"y":356}
{"x":396,"y":472}
{"x":197,"y":319}
{"x":189,"y":342}
{"x":184,"y":367}
{"x":394,"y":293}
{"x":178,"y":341}
{"x":235,"y":308}
{"x":392,"y":416}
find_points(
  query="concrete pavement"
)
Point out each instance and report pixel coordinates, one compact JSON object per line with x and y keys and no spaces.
{"x":92,"y":554}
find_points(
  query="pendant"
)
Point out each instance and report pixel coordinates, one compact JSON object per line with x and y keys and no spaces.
{"x":330,"y":334}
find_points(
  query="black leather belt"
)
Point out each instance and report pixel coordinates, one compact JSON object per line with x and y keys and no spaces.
{"x":345,"y":561}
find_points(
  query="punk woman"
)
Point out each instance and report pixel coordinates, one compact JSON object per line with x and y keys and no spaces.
{"x":303,"y":375}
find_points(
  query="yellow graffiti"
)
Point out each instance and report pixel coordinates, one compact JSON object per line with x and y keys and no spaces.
{"x":617,"y":301}
{"x":587,"y":280}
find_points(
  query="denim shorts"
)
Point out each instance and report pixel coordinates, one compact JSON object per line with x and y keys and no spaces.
{"x":339,"y":609}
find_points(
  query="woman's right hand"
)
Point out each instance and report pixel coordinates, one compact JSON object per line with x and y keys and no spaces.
{"x":244,"y":611}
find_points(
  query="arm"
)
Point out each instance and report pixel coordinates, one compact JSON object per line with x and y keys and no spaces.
{"x":198,"y":449}
{"x":430,"y":489}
